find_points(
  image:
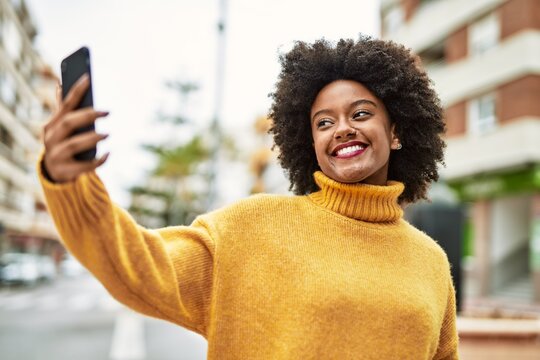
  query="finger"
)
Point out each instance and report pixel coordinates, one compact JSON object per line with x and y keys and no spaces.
{"x":61,"y":109}
{"x":75,"y":94}
{"x":56,"y":108}
{"x":78,"y":143}
{"x":58,"y":98}
{"x":70,"y":171}
{"x":54,"y":118}
{"x":76,"y":168}
{"x":59,"y":130}
{"x":64,"y":152}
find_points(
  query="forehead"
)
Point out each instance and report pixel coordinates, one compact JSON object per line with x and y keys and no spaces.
{"x":342,"y":92}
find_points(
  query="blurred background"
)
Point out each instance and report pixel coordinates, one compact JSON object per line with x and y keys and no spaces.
{"x":186,"y":83}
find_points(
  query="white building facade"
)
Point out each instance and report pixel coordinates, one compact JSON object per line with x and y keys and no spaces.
{"x":26,"y":96}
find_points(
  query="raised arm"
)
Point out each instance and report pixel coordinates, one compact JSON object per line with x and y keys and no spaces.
{"x":163,"y":273}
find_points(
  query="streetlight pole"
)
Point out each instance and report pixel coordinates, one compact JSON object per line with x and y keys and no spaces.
{"x":215,"y":128}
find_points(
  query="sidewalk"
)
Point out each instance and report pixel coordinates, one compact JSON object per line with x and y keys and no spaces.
{"x":494,"y":339}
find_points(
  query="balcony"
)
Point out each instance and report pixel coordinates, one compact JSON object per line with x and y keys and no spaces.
{"x":518,"y":56}
{"x":513,"y":145}
{"x":441,"y":18}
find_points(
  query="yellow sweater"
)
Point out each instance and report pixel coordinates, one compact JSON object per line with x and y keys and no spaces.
{"x":337,"y":274}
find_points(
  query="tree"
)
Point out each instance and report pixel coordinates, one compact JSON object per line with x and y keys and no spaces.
{"x":177,"y":185}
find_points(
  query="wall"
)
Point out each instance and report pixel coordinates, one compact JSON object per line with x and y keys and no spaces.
{"x":510,"y":227}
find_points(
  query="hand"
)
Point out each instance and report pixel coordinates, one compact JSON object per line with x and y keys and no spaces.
{"x":60,"y":147}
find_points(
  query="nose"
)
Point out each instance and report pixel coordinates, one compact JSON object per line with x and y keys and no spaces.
{"x":345,"y":129}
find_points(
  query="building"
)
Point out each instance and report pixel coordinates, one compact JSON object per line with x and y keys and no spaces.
{"x":484,"y":59}
{"x":27,"y":89}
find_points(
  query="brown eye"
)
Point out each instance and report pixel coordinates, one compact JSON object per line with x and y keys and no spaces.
{"x":361,"y":114}
{"x":323,"y":122}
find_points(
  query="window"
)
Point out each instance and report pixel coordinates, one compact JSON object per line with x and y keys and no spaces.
{"x":484,"y":34}
{"x":482,"y":117}
{"x":1,"y":27}
{"x":433,"y":57}
{"x":5,"y":137}
{"x":7,"y":89}
{"x":4,"y":187}
{"x":12,"y":40}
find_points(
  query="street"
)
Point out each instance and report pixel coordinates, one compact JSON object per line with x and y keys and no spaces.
{"x":75,"y":318}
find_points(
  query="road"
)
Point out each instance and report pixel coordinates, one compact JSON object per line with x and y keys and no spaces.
{"x":75,"y":318}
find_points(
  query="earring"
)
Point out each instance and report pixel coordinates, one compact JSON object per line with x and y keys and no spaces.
{"x":399,"y":146}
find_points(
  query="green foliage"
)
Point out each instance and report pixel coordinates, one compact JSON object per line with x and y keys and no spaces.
{"x":140,"y":190}
{"x":184,"y":88}
{"x":175,"y":164}
{"x":173,"y":119}
{"x":181,"y":160}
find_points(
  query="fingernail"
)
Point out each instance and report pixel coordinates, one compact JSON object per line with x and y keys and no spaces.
{"x":104,"y":136}
{"x":103,"y":113}
{"x":103,"y":158}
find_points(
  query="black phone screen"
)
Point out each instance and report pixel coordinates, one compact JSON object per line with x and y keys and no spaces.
{"x":73,"y":67}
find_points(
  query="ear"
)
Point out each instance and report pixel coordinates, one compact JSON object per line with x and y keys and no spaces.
{"x":395,"y":143}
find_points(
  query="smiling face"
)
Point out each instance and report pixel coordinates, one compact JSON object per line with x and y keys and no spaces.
{"x":352,"y":134}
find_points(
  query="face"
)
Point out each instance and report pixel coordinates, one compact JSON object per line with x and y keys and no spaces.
{"x":352,"y":134}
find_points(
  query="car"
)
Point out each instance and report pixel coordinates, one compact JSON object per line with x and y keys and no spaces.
{"x":19,"y":268}
{"x":47,"y":268}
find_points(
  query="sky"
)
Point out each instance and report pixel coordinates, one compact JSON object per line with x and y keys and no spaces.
{"x":136,"y":46}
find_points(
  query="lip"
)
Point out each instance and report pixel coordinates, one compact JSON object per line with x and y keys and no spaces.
{"x":349,"y":144}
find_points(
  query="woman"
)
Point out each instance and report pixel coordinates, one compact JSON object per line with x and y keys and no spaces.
{"x":331,"y":273}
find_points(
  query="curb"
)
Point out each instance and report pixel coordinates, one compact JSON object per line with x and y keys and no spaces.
{"x":498,"y":328}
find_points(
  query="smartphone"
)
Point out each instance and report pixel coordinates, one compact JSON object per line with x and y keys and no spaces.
{"x":73,"y":67}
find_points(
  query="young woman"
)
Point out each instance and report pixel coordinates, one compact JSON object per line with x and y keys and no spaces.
{"x":331,"y":273}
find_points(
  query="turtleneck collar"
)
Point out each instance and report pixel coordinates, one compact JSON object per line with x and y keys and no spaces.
{"x":370,"y":203}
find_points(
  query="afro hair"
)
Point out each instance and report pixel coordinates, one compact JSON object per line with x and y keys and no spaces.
{"x":391,"y":73}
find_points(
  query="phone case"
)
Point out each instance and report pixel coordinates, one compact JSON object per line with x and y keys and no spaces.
{"x":73,"y":67}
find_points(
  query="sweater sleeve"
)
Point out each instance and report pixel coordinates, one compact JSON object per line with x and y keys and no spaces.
{"x":448,"y":338}
{"x":164,"y":273}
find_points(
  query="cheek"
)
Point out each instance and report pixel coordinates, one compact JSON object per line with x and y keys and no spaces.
{"x":319,"y":147}
{"x":316,"y":143}
{"x":385,"y":137}
{"x":318,"y":154}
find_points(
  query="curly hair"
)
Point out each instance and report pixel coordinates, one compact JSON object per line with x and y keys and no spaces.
{"x":392,"y":74}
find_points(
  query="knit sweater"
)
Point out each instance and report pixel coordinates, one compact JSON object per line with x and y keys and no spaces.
{"x":337,"y":274}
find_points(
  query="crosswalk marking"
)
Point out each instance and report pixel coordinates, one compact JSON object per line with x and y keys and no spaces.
{"x":128,"y":341}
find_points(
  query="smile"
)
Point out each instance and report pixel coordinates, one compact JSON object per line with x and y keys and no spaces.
{"x":349,"y":150}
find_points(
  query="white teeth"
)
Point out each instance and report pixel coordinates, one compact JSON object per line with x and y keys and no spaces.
{"x":349,"y":150}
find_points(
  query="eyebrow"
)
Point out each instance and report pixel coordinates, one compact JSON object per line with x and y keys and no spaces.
{"x":353,"y":104}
